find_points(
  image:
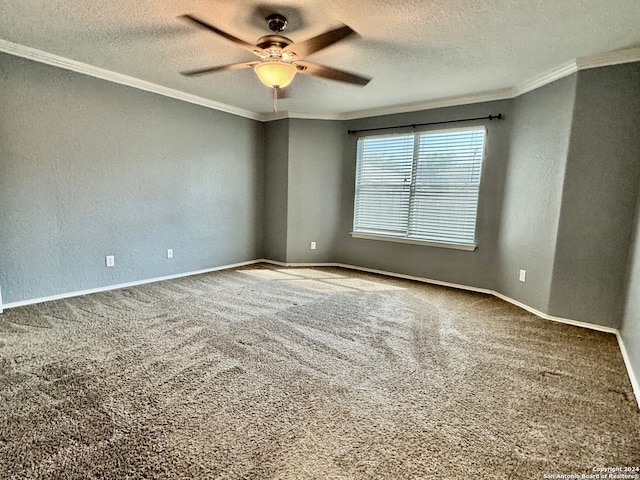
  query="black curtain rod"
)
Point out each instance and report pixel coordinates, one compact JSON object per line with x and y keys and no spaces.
{"x":414,"y":125}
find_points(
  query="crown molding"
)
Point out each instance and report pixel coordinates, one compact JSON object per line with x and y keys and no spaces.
{"x":314,"y":116}
{"x":272,"y":117}
{"x":582,"y":63}
{"x":502,"y":94}
{"x":490,"y":96}
{"x":103,"y":74}
{"x":546,"y":78}
{"x":617,"y":57}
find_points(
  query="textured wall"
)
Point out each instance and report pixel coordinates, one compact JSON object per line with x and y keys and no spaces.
{"x":533,"y":193}
{"x":302,"y":189}
{"x":599,"y":197}
{"x":467,"y":268}
{"x":315,"y":178}
{"x":276,"y":181}
{"x":90,"y":168}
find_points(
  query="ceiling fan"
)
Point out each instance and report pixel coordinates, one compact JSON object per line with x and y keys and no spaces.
{"x":279,"y":57}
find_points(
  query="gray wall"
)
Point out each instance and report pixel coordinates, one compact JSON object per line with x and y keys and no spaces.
{"x":90,"y":168}
{"x":531,"y":205}
{"x":315,"y":196}
{"x":276,"y":181}
{"x":599,"y":197}
{"x":467,"y":268}
{"x":302,"y":189}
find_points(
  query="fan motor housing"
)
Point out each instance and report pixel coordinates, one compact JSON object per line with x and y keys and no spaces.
{"x":270,"y":41}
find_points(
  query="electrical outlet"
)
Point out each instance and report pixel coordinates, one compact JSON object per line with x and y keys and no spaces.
{"x":169,"y":252}
{"x":523,"y":276}
{"x":313,"y":245}
{"x":110,"y":260}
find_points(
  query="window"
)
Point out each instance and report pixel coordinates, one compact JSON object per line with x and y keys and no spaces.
{"x":419,"y":187}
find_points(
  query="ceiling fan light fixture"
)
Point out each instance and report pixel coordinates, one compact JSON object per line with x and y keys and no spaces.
{"x":275,"y":73}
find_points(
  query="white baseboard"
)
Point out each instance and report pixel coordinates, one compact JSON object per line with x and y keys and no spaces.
{"x":633,"y":379}
{"x":125,"y":285}
{"x":285,"y":264}
{"x":538,"y":313}
{"x":568,"y":321}
{"x":417,"y":279}
{"x":635,"y":382}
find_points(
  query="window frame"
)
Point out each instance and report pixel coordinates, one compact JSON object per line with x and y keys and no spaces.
{"x":412,"y":240}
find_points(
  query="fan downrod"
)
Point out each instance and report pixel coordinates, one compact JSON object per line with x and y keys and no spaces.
{"x":276,"y":22}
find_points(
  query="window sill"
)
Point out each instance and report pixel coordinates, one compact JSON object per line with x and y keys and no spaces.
{"x":411,"y":241}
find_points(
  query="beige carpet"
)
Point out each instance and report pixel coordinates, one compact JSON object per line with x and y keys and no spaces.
{"x":266,"y":373}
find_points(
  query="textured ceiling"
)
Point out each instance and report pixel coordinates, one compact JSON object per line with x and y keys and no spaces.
{"x":416,"y":51}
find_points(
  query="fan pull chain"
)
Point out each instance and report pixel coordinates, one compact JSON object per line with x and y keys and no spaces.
{"x":275,"y":100}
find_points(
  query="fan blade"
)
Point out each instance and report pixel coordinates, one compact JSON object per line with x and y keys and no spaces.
{"x":221,"y":68}
{"x":228,"y":36}
{"x":331,"y":73}
{"x":314,"y":44}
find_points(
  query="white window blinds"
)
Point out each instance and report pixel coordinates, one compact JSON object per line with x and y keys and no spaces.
{"x":421,"y":186}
